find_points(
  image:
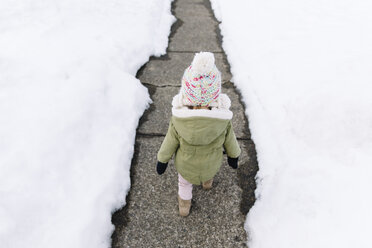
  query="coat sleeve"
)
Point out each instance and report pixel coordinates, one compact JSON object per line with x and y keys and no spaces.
{"x":231,"y":144}
{"x":170,"y":144}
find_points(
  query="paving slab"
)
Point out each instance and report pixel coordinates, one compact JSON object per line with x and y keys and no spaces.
{"x":197,"y":39}
{"x":190,"y":2}
{"x":194,"y":32}
{"x":194,"y":9}
{"x":169,"y":69}
{"x":156,"y":120}
{"x":152,"y":218}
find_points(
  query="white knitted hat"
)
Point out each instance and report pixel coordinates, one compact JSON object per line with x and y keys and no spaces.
{"x":201,"y":82}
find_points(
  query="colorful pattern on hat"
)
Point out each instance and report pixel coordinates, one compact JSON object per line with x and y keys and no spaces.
{"x":201,"y":89}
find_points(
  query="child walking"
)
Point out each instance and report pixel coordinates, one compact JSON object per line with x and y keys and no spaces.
{"x":199,"y":129}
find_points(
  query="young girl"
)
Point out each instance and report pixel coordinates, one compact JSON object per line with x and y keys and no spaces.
{"x":199,"y":129}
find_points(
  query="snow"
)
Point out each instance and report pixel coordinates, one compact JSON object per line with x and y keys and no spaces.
{"x":303,"y":68}
{"x":69,"y":108}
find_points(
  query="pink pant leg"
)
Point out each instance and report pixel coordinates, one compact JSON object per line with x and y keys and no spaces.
{"x":184,"y":188}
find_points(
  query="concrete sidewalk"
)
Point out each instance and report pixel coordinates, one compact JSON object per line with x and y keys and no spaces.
{"x":150,"y":218}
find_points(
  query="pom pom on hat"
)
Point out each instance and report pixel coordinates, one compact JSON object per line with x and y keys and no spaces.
{"x":201,"y":82}
{"x":203,"y":63}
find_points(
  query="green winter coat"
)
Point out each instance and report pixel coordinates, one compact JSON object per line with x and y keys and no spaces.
{"x":198,"y":142}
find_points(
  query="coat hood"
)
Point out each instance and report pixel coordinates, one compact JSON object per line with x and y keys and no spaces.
{"x":201,"y":126}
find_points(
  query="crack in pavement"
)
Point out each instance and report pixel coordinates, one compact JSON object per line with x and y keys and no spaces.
{"x":193,"y":52}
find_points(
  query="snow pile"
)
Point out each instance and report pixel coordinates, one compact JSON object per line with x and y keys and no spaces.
{"x":304,"y":70}
{"x":69,"y":108}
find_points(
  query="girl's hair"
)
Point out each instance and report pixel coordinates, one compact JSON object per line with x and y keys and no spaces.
{"x":199,"y":107}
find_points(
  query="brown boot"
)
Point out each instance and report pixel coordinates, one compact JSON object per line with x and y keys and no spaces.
{"x":184,"y":206}
{"x":208,"y":184}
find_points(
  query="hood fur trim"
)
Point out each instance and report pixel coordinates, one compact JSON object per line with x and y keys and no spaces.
{"x":219,"y":111}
